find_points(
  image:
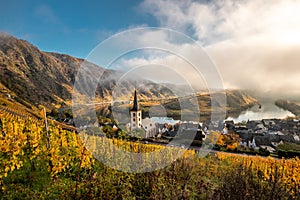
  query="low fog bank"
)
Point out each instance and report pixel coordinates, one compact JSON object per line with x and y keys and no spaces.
{"x":272,"y":96}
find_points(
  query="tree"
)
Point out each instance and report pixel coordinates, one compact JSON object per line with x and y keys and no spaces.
{"x":229,"y":142}
{"x":264,"y":151}
{"x":108,"y":130}
{"x":138,"y":132}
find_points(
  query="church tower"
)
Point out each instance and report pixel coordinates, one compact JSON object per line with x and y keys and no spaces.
{"x":135,"y":114}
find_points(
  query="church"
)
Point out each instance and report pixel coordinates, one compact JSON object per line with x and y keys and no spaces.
{"x":135,"y":114}
{"x":136,"y":121}
{"x":157,"y":126}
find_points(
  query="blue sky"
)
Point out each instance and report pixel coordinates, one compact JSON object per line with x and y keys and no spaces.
{"x":250,"y":42}
{"x":71,"y":27}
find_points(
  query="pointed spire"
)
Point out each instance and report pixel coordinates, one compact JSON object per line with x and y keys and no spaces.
{"x":135,"y":102}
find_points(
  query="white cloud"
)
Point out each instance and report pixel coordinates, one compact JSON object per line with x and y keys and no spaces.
{"x":162,"y":69}
{"x":160,"y":55}
{"x":227,"y":19}
{"x":255,"y":44}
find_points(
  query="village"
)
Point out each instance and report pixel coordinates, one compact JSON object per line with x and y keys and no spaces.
{"x":252,"y":134}
{"x":265,"y":133}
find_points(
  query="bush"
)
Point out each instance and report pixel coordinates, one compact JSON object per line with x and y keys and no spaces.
{"x":288,"y":154}
{"x":263,"y":152}
{"x":288,"y":150}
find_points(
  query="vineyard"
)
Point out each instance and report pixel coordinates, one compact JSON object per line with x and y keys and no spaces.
{"x":54,"y":164}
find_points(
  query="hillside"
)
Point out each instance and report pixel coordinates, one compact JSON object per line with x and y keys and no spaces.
{"x":236,"y":101}
{"x":35,"y":166}
{"x":36,"y":77}
{"x":32,"y":77}
{"x":291,"y":106}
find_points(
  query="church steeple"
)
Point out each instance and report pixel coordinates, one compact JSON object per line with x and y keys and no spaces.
{"x":135,"y":103}
{"x":135,"y":114}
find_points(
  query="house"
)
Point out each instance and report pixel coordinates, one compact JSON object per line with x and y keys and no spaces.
{"x":229,"y":122}
{"x":262,"y":141}
{"x":275,"y":144}
{"x":165,"y":120}
{"x":260,"y":127}
{"x":149,"y":126}
{"x":252,"y":124}
{"x":252,"y":144}
{"x":225,"y":130}
{"x":243,"y":144}
{"x":268,"y":122}
{"x":245,"y":135}
{"x":269,"y":148}
{"x":229,"y":125}
{"x":287,"y":138}
{"x":296,"y":138}
{"x":260,"y":132}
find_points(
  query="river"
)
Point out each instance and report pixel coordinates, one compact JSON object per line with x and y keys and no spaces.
{"x":267,"y":111}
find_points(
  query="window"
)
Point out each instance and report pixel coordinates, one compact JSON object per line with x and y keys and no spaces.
{"x":150,"y":124}
{"x":139,"y":124}
{"x":139,"y":119}
{"x":134,"y":119}
{"x":139,"y":114}
{"x":133,"y":114}
{"x":133,"y":125}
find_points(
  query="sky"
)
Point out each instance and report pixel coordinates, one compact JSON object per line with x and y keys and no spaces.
{"x":254,"y":44}
{"x":71,"y":27}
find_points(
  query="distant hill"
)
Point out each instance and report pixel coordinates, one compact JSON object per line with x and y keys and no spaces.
{"x":236,"y":101}
{"x":32,"y":77}
{"x":38,"y":77}
{"x":291,"y":106}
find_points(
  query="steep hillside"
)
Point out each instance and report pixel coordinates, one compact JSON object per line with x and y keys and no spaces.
{"x":239,"y":100}
{"x":32,"y":77}
{"x":291,"y":106}
{"x":35,"y":76}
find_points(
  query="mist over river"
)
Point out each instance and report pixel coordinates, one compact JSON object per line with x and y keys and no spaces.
{"x":267,"y":110}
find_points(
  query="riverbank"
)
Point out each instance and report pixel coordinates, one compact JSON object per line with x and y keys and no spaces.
{"x":265,"y":110}
{"x":293,"y":107}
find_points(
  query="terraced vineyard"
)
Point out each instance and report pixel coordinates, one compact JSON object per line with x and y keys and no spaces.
{"x":36,"y":164}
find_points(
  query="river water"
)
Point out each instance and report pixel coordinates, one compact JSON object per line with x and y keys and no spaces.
{"x":267,"y":111}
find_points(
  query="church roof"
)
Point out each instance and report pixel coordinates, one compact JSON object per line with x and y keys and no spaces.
{"x":135,"y":103}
